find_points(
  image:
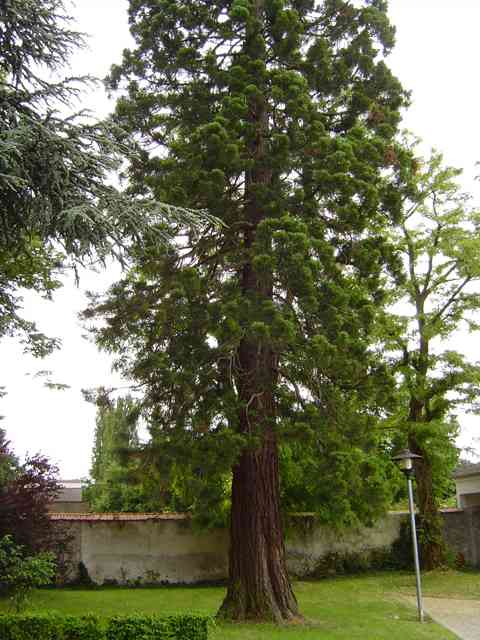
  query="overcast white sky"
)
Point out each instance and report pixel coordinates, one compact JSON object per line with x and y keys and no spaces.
{"x":436,"y":58}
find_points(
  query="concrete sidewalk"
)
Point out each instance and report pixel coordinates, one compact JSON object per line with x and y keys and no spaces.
{"x":462,"y":617}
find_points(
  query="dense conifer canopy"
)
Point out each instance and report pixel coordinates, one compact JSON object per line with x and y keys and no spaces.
{"x":279,"y":118}
{"x":193,"y":89}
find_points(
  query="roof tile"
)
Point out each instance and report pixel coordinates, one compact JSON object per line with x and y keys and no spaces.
{"x":129,"y":517}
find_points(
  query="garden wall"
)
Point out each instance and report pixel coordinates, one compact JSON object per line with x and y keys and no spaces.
{"x":153,"y":548}
{"x":462,"y":533}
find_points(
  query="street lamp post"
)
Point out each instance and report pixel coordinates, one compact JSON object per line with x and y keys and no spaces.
{"x":405,"y":462}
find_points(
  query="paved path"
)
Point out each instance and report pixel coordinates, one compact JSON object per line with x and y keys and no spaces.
{"x":462,"y":617}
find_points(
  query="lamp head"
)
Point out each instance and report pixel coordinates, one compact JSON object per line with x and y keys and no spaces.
{"x":405,"y":459}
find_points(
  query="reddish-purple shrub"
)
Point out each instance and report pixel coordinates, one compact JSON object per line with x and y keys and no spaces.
{"x":26,"y":490}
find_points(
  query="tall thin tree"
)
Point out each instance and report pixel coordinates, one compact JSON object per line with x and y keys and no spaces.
{"x":438,"y":237}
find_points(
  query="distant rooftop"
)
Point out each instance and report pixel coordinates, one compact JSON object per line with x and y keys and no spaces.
{"x":465,"y":469}
{"x":70,"y":491}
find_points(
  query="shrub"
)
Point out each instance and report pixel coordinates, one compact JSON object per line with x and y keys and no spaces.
{"x":19,"y":574}
{"x":351,"y":563}
{"x":54,"y":627}
{"x":50,"y":627}
{"x":25,"y":496}
{"x":183,"y":627}
{"x":402,"y":547}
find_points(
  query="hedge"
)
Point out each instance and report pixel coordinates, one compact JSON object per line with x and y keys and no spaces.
{"x":135,"y":627}
{"x":50,"y":627}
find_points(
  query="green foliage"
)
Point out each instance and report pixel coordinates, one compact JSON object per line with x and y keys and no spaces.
{"x":8,"y":461}
{"x":115,"y":483}
{"x":437,"y":235}
{"x":50,"y":627}
{"x":348,"y":498}
{"x":30,"y":265}
{"x":279,"y":119}
{"x":128,"y":476}
{"x":89,"y":627}
{"x":85,"y":627}
{"x":181,"y":627}
{"x":20,"y":574}
{"x":54,"y":192}
{"x":351,"y":563}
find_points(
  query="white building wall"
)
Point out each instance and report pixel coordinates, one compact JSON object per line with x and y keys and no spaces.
{"x":468,"y":491}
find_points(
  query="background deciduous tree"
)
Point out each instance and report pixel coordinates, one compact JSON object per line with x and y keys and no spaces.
{"x":8,"y":461}
{"x":122,"y":477}
{"x":277,"y":116}
{"x":115,"y":435}
{"x":438,"y":236}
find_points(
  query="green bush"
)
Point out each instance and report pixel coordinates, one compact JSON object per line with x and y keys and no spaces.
{"x":50,"y":627}
{"x":402,"y":550}
{"x":351,"y":563}
{"x":81,"y":628}
{"x":139,"y":627}
{"x":184,"y":627}
{"x":19,"y":573}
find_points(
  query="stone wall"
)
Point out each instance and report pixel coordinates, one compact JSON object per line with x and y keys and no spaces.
{"x":462,"y":533}
{"x":152,"y":548}
{"x":309,"y":544}
{"x":156,"y":549}
{"x":153,"y":551}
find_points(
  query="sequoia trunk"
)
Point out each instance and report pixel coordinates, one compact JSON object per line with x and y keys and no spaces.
{"x":259,"y":588}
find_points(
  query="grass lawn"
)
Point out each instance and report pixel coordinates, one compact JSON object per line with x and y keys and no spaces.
{"x":346,"y":608}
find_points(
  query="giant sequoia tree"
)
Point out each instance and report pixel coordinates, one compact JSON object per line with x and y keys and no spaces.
{"x":277,"y":116}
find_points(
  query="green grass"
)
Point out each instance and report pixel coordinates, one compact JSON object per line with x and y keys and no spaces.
{"x":441,"y":584}
{"x":346,"y":608}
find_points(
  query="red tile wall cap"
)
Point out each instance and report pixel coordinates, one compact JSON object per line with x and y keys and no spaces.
{"x":129,"y":517}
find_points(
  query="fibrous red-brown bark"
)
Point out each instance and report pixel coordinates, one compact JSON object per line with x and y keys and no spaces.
{"x":259,"y":587}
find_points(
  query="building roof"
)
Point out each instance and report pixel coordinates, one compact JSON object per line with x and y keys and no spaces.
{"x":467,"y":469}
{"x":71,"y":484}
{"x":69,"y":494}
